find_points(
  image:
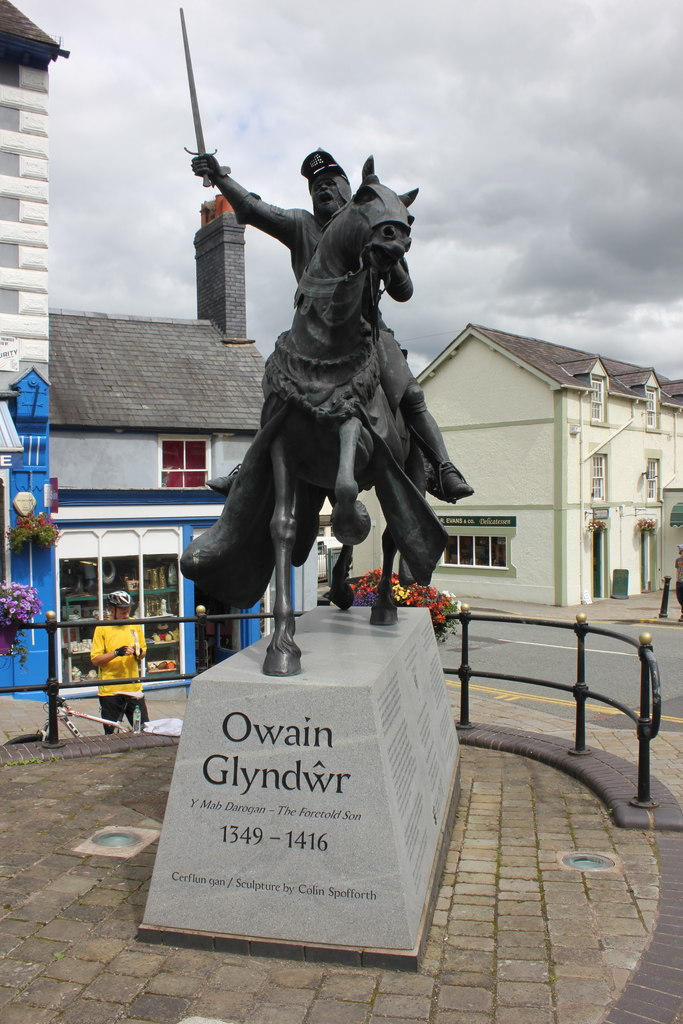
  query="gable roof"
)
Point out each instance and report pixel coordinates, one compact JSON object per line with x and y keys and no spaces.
{"x":151,"y":374}
{"x":568,"y":367}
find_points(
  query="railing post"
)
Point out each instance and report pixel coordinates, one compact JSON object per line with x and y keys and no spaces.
{"x":644,"y":798}
{"x":52,"y":684}
{"x":580,"y":688}
{"x":201,"y":637}
{"x":664,"y":607}
{"x":465,"y":672}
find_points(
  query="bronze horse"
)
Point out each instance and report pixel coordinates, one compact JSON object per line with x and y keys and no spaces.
{"x":326,"y":430}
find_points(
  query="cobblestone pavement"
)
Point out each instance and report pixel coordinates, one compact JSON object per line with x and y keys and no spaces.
{"x":517,"y":938}
{"x":514,"y":933}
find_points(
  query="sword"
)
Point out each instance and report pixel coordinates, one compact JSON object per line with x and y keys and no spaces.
{"x":199,"y":134}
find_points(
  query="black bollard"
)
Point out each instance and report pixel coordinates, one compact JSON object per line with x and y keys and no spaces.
{"x":664,"y":609}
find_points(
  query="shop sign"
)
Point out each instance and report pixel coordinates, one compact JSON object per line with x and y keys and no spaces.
{"x":9,"y":353}
{"x":600,"y":513}
{"x":487,"y":522}
{"x":11,"y":460}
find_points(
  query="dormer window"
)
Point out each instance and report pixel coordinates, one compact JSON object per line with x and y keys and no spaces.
{"x":651,"y":406}
{"x":597,"y":398}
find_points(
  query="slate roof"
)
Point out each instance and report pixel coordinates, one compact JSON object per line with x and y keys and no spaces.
{"x":14,"y":23}
{"x":571,"y":367}
{"x":151,"y":374}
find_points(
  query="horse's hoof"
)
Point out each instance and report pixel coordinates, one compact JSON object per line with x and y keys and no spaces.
{"x":351,"y":524}
{"x":382,"y":615}
{"x":342,"y":596}
{"x":282,"y":662}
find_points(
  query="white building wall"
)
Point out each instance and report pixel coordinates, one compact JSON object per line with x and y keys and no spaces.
{"x":498,"y":422}
{"x":25,"y":225}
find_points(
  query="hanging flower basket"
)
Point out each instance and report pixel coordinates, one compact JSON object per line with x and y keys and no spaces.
{"x":8,"y":636}
{"x":19,"y":603}
{"x":646,"y":525}
{"x":33,"y":529}
{"x":596,"y":525}
{"x":439,"y":603}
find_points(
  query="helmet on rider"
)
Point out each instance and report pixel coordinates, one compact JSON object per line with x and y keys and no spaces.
{"x":119,"y":599}
{"x":327,"y":183}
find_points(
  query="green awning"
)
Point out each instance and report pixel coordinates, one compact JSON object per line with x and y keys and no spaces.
{"x":676,"y":515}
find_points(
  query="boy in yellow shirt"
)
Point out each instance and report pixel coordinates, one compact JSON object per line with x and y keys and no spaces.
{"x":117,"y":650}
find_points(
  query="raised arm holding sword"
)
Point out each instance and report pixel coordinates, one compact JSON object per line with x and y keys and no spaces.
{"x":300,"y":231}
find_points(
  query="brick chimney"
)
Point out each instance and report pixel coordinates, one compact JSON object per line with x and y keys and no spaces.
{"x":219,"y":252}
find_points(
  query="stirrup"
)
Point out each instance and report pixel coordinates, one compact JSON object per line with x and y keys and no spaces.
{"x":447,"y":483}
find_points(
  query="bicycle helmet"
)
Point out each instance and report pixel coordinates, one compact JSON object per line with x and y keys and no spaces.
{"x":119,"y":598}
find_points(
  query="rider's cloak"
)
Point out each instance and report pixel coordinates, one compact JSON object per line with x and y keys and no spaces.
{"x":234,"y":559}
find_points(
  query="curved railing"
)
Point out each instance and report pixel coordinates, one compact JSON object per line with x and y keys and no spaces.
{"x":646,"y":719}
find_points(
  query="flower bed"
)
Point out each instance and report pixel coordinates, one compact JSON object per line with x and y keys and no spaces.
{"x":440,"y":603}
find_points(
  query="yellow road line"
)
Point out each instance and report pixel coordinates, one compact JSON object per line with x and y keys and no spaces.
{"x":513,"y":695}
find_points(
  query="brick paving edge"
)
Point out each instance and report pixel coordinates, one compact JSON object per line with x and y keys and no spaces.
{"x":613,"y":779}
{"x":654,"y":992}
{"x":84,"y":746}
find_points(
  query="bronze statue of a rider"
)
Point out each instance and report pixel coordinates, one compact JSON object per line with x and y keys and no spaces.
{"x":300,"y":231}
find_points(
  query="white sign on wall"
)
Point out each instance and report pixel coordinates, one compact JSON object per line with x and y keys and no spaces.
{"x":9,"y":353}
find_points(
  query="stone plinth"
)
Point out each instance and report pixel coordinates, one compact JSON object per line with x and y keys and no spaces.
{"x":312,"y":811}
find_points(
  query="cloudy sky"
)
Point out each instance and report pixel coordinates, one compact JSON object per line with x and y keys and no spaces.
{"x":546,"y":139}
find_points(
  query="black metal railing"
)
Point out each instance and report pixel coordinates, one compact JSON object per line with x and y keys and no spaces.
{"x":646,"y":719}
{"x":171,"y":680}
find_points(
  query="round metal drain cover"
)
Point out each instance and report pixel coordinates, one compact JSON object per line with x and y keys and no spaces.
{"x":588,"y":862}
{"x":116,"y":839}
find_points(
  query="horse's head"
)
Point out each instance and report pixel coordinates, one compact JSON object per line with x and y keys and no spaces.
{"x":387,"y":219}
{"x":372,"y":229}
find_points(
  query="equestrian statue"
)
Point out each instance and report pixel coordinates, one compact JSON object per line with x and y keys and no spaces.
{"x":342,"y":412}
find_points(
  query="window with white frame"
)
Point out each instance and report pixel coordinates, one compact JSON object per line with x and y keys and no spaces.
{"x":651,"y":406}
{"x":597,"y":398}
{"x":598,"y":479}
{"x":184,"y":462}
{"x":480,"y":552}
{"x":652,"y":479}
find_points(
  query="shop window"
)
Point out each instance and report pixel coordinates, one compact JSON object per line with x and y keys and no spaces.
{"x":153,"y":584}
{"x":79,"y":598}
{"x":160,"y":582}
{"x":480,"y":552}
{"x":184,"y":462}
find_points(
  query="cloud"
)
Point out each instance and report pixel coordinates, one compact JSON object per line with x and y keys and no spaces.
{"x":545,"y":138}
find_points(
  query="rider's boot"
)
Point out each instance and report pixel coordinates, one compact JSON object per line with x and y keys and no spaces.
{"x":444,"y":480}
{"x":222,"y":484}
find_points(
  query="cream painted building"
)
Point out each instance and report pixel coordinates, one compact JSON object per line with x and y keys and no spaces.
{"x":576,"y":464}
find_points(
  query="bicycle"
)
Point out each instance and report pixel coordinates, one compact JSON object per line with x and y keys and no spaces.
{"x":64,"y":715}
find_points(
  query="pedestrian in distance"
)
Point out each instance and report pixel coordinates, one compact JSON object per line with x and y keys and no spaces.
{"x":116,"y":653}
{"x":679,"y":578}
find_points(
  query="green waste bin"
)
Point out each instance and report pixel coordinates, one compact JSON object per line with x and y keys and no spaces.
{"x":620,"y":584}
